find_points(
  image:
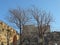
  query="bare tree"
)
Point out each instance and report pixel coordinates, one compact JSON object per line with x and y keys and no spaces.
{"x":43,"y":20}
{"x":19,"y":17}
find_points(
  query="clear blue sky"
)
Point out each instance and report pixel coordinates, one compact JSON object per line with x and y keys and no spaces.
{"x":49,"y":5}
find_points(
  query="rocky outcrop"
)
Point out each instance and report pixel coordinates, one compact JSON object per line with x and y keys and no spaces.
{"x":7,"y":30}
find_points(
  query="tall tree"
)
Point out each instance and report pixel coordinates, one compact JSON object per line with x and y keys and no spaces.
{"x":43,"y":20}
{"x":19,"y":17}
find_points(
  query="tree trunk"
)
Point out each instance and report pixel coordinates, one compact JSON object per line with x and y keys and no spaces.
{"x":41,"y":38}
{"x":20,"y":35}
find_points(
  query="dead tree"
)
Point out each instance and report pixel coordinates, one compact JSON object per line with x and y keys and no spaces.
{"x":19,"y":17}
{"x":43,"y":19}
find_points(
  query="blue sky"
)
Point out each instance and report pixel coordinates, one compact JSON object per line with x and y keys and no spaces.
{"x":49,"y":5}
